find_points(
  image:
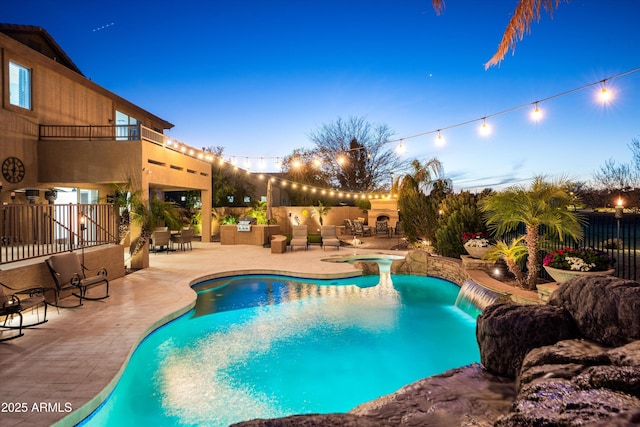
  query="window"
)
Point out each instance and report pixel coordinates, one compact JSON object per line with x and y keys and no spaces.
{"x":19,"y":85}
{"x":127,"y":127}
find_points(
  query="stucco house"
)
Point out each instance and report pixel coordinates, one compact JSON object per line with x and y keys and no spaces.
{"x":61,"y":131}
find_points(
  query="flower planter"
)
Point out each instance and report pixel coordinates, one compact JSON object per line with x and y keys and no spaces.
{"x":477,"y":251}
{"x":563,"y":275}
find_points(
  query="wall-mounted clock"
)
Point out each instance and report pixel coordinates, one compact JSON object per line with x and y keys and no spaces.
{"x":13,"y":169}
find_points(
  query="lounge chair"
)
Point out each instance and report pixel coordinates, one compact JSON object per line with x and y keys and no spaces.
{"x":300,"y":237}
{"x":329,"y":236}
{"x":69,"y":275}
{"x":382,"y":228}
{"x":160,"y":238}
{"x":183,"y":240}
{"x":14,"y":301}
{"x":359,"y":229}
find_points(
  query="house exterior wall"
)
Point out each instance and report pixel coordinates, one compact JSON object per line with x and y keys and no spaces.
{"x":61,"y":96}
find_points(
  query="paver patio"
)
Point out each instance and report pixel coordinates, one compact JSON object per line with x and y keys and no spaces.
{"x":76,"y":357}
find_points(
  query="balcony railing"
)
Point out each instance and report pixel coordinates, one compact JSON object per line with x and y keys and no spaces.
{"x":118,"y":133}
{"x":31,"y":231}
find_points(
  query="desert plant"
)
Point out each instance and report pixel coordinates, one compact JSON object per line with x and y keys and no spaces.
{"x":543,"y":204}
{"x":259,"y":212}
{"x":512,"y":254}
{"x":150,"y":214}
{"x":320,"y":211}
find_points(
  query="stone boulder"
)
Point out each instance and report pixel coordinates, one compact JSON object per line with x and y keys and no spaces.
{"x":415,"y":262}
{"x":605,"y":309}
{"x":577,"y":382}
{"x":506,"y":332}
{"x":467,"y":396}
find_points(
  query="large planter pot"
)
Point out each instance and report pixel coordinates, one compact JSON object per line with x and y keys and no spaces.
{"x":477,"y":251}
{"x":564,"y":275}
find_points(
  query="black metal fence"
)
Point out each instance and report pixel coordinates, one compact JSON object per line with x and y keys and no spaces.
{"x":35,"y":230}
{"x":616,"y":235}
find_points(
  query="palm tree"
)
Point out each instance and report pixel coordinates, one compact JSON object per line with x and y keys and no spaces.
{"x":520,"y":24}
{"x":419,"y":213}
{"x":544,"y":204}
{"x":320,"y":211}
{"x":150,"y":215}
{"x":512,"y":253}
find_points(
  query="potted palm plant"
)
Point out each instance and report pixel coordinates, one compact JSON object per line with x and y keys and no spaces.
{"x":544,"y":205}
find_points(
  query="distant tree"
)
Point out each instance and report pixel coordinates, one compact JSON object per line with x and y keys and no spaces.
{"x":227,"y":180}
{"x":616,"y":177}
{"x":354,"y":154}
{"x":305,"y":167}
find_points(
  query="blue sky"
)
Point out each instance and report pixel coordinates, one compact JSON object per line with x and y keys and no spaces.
{"x":256,"y":77}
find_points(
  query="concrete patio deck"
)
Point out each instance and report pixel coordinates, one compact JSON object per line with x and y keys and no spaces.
{"x":58,"y":372}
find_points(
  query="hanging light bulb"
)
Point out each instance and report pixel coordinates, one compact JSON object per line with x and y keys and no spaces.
{"x":400,"y":148}
{"x":296,"y":163}
{"x":278,"y":164}
{"x":261,"y":163}
{"x":536,"y":114}
{"x":246,"y":162}
{"x":317,"y":162}
{"x":439,"y":139}
{"x":605,"y":95}
{"x":341,"y":160}
{"x":485,"y":129}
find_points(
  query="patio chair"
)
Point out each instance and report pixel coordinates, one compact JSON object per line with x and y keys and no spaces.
{"x":183,"y":240}
{"x":348,"y":227}
{"x":160,"y":238}
{"x":329,"y":236}
{"x":300,"y":237}
{"x":69,"y":275}
{"x":359,"y":229}
{"x":382,"y":228}
{"x":14,"y":301}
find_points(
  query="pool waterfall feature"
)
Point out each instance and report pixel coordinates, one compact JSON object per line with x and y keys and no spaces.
{"x":473,"y":296}
{"x":383,"y":261}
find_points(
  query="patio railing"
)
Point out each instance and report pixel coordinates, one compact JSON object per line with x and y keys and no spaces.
{"x":35,"y":230}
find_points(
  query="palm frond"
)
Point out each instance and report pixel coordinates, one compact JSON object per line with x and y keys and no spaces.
{"x":520,"y":24}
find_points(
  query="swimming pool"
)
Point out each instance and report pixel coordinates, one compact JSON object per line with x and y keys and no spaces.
{"x":271,"y":346}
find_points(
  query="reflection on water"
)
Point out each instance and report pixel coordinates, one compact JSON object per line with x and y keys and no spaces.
{"x":297,"y":347}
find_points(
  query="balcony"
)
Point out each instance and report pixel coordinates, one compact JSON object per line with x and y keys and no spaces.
{"x":106,"y":154}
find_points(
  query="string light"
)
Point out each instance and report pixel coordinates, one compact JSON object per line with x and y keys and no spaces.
{"x":485,"y":129}
{"x":536,"y":114}
{"x":605,"y":95}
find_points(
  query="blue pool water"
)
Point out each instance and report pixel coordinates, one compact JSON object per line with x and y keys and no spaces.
{"x":271,"y":346}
